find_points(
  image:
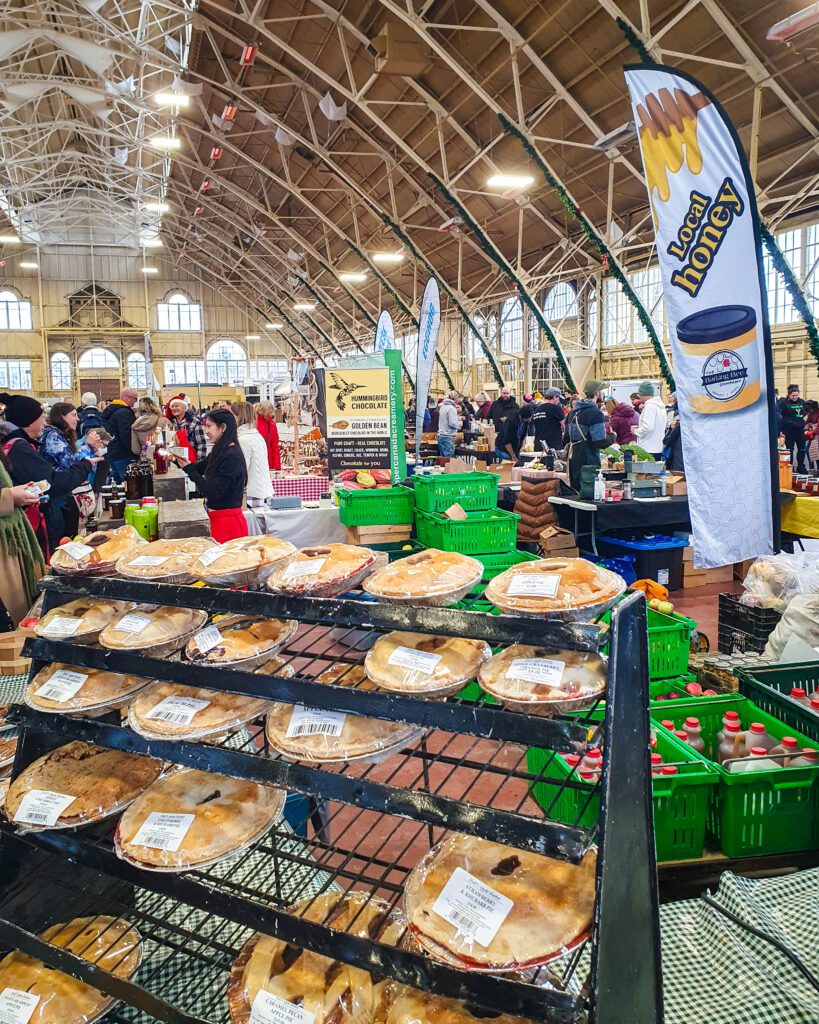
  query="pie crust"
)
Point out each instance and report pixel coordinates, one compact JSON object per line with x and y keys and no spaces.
{"x":428,"y":577}
{"x":458,"y":662}
{"x":553,"y":902}
{"x":583,"y":589}
{"x":108,"y":942}
{"x":550,"y":681}
{"x":343,"y":567}
{"x":243,"y":638}
{"x":360,"y":735}
{"x":108,"y":547}
{"x":245,"y":560}
{"x":95,"y":615}
{"x":412,"y":1006}
{"x":8,"y":748}
{"x":334,"y":992}
{"x":224,"y":712}
{"x":102,"y":782}
{"x":101,"y":689}
{"x":229,"y":815}
{"x":180,"y":555}
{"x":167,"y":631}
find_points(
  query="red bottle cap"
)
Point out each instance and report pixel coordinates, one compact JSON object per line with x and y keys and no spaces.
{"x":757,"y":727}
{"x":815,"y":703}
{"x":668,"y":724}
{"x":692,"y":723}
{"x":732,"y":716}
{"x":668,"y":769}
{"x":656,"y":758}
{"x":732,"y":726}
{"x":798,"y":693}
{"x":790,"y":743}
{"x":572,"y":760}
{"x":810,"y":754}
{"x":594,"y":752}
{"x":681,"y":735}
{"x":758,"y":751}
{"x":587,"y":775}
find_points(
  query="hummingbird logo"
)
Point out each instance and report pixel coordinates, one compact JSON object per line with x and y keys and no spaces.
{"x":344,"y":389}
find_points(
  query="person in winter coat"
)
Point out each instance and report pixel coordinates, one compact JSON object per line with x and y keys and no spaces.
{"x":586,"y":432}
{"x":89,"y":414}
{"x":266,"y":425}
{"x":221,"y":477}
{"x":502,"y":408}
{"x":118,"y":418}
{"x":514,"y":430}
{"x":812,"y":432}
{"x":548,"y":417}
{"x":21,"y":560}
{"x":622,"y":417}
{"x":149,"y":420}
{"x":254,"y":449}
{"x":432,"y":407}
{"x":27,"y":463}
{"x":448,"y":425}
{"x":58,"y":443}
{"x":189,"y":431}
{"x":792,"y":415}
{"x":650,"y":431}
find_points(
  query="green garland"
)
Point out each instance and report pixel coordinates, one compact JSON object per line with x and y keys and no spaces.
{"x":634,"y":40}
{"x":499,"y":260}
{"x":603,"y":250}
{"x":797,"y":295}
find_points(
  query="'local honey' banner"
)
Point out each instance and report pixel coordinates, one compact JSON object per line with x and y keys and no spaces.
{"x":709,"y":248}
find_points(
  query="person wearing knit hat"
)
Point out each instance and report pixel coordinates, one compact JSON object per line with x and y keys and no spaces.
{"x":592,"y":388}
{"x":586,"y":433}
{"x":118,"y":418}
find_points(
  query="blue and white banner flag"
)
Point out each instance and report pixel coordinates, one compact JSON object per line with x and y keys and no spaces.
{"x":384,"y":332}
{"x":430,"y":325}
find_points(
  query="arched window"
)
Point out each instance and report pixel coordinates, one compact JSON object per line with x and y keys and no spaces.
{"x":560,"y":302}
{"x":98,"y":359}
{"x":178,"y":314}
{"x":15,"y":314}
{"x":511,"y":326}
{"x":60,"y":372}
{"x":137,"y":371}
{"x":226,"y":362}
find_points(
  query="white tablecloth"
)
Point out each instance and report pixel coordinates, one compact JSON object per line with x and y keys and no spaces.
{"x":304,"y":527}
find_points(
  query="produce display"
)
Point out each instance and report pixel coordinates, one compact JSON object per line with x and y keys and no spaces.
{"x":362,"y":479}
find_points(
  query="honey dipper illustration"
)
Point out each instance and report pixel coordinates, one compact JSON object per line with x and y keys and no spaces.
{"x":668,"y":137}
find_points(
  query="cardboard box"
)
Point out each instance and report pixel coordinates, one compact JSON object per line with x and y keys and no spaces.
{"x":380,"y":534}
{"x":675,"y":484}
{"x":503,"y":470}
{"x":458,"y":465}
{"x":704,"y":577}
{"x":555,"y":538}
{"x":688,"y":553}
{"x":455,"y":512}
{"x":741,"y":569}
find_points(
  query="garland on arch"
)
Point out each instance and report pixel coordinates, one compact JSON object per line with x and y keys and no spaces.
{"x":607,"y":258}
{"x":634,"y":40}
{"x":797,"y":295}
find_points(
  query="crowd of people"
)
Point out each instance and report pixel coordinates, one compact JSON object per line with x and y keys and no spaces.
{"x":798,"y":425}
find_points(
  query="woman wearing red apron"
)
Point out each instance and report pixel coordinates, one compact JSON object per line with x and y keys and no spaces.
{"x":221,"y":477}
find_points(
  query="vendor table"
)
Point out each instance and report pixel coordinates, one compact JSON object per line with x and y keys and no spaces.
{"x":304,"y":527}
{"x":800,"y":514}
{"x":639,"y":514}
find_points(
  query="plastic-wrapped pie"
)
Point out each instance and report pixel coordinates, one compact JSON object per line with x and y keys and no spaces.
{"x":495,"y":907}
{"x":244,"y":561}
{"x":97,"y":553}
{"x":276,"y":666}
{"x":66,"y":688}
{"x":80,"y":621}
{"x":167,"y":561}
{"x":412,"y":1006}
{"x":544,"y":681}
{"x":240,"y":640}
{"x":317,"y":734}
{"x":428,"y":577}
{"x":8,"y":748}
{"x":160,"y":630}
{"x":270,"y":971}
{"x":417,"y":663}
{"x":78,"y":784}
{"x":43,"y":995}
{"x":323,"y":571}
{"x":562,"y":588}
{"x":193,"y":819}
{"x":172,"y":711}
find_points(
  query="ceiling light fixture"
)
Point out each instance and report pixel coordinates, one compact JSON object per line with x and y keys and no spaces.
{"x":516,"y":181}
{"x":231,"y":109}
{"x":352,"y":278}
{"x":786,"y":29}
{"x":253,"y":337}
{"x":150,"y":270}
{"x":387,"y":257}
{"x":165,"y":142}
{"x":28,"y":266}
{"x":274,"y":326}
{"x":157,"y":207}
{"x":216,"y":152}
{"x":249,"y":54}
{"x":304,"y":307}
{"x":615,"y":138}
{"x":171,"y":99}
{"x":9,"y":239}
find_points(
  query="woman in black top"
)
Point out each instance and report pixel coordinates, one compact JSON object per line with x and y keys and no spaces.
{"x":221,"y":477}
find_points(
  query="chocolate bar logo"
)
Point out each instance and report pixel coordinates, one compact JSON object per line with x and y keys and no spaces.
{"x":712,"y":223}
{"x":344,"y":389}
{"x":724,"y":375}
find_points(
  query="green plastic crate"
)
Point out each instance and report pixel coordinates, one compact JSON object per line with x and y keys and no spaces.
{"x":387,"y":505}
{"x":474,"y":492}
{"x":769,"y":689}
{"x":659,"y":687}
{"x":398,"y":548}
{"x":669,"y":641}
{"x":754,"y":813}
{"x":681,"y":801}
{"x":490,"y":532}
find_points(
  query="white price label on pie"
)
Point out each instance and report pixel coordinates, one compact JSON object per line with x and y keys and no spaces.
{"x":269,"y":1009}
{"x":17,"y":1007}
{"x":315,"y":721}
{"x":474,"y":908}
{"x":306,"y":567}
{"x":76,"y":549}
{"x":150,"y":561}
{"x":132,"y":623}
{"x":208,"y":638}
{"x":61,"y":686}
{"x":538,"y":670}
{"x":210,"y":556}
{"x":535,"y":584}
{"x":62,"y":625}
{"x":417,"y":661}
{"x":178,"y":710}
{"x":42,"y":807}
{"x":163,"y":831}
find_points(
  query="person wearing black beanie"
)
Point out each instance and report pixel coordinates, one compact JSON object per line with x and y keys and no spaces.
{"x":26,"y":464}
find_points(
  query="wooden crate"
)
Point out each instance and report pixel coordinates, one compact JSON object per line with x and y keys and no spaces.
{"x":11,"y":661}
{"x":381,"y":534}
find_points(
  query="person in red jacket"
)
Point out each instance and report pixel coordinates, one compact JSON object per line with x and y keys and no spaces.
{"x":622,"y":417}
{"x":266,"y":426}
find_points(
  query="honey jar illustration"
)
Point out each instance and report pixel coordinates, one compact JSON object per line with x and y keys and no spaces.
{"x":720,"y":349}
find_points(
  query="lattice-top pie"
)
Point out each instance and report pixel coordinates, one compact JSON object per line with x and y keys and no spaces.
{"x":68,"y":688}
{"x":561,"y":587}
{"x":83,"y":618}
{"x":240,"y":638}
{"x":333,"y":992}
{"x":428,"y":577}
{"x":110,"y":943}
{"x":322,"y":571}
{"x":412,"y":1006}
{"x":147,"y":626}
{"x":174,"y":711}
{"x":423,"y":664}
{"x":97,"y":550}
{"x":526,"y":676}
{"x":164,"y":558}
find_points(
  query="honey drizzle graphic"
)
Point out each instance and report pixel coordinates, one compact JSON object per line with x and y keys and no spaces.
{"x":668,"y":137}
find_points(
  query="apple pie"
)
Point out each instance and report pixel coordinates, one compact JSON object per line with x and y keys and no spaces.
{"x":541,"y":680}
{"x":158,"y":631}
{"x":99,"y":782}
{"x":316,"y":734}
{"x":192,"y":819}
{"x":244,"y":561}
{"x":80,"y":621}
{"x":412,"y":1006}
{"x":107,"y":942}
{"x":323,"y":571}
{"x":563,"y":588}
{"x":330,"y":991}
{"x":428,"y":577}
{"x":172,"y":711}
{"x":165,"y":559}
{"x":96,"y":552}
{"x":65,"y":688}
{"x":416,"y":663}
{"x":496,"y":907}
{"x":239,"y":639}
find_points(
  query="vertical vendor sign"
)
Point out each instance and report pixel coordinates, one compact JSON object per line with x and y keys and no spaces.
{"x":429,"y":326}
{"x":384,"y":332}
{"x":709,"y":248}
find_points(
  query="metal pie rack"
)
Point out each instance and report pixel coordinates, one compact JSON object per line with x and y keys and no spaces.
{"x":467,"y":773}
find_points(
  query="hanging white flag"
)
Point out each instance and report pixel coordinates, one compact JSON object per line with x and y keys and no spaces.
{"x":331,"y":110}
{"x":430,"y":325}
{"x":384,"y":332}
{"x":283,"y":138}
